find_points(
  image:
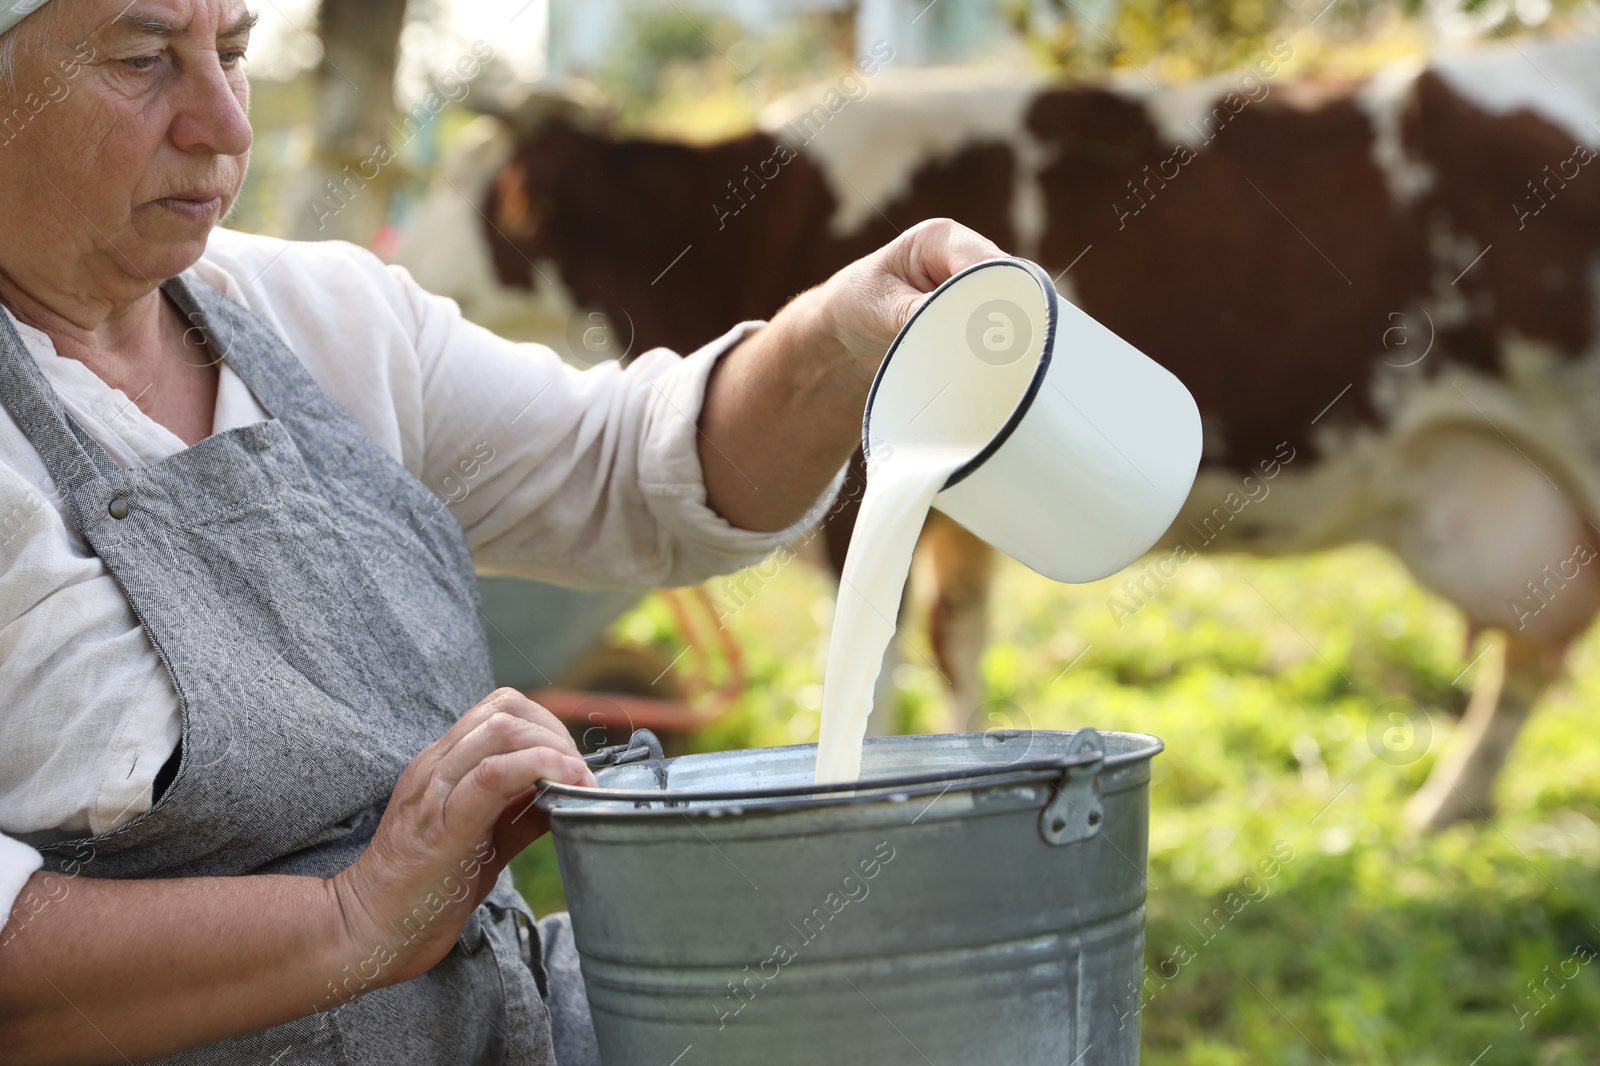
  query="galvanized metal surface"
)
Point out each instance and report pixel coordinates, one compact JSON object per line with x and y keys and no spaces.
{"x":933,"y":923}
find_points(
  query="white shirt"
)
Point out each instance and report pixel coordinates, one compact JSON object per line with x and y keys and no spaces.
{"x":594,"y":479}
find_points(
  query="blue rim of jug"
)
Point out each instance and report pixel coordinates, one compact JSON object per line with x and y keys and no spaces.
{"x":1052,"y":313}
{"x":865,"y":790}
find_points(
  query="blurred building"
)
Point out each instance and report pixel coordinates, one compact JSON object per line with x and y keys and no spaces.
{"x":582,"y":32}
{"x":941,"y":31}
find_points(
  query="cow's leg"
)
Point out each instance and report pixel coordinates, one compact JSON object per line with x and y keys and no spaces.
{"x":1510,"y":683}
{"x":1490,"y":531}
{"x":960,"y":569}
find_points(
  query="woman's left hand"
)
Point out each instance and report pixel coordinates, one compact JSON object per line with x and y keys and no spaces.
{"x":865,"y":305}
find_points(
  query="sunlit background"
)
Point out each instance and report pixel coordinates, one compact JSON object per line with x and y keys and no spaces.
{"x":701,"y":70}
{"x":1263,"y":677}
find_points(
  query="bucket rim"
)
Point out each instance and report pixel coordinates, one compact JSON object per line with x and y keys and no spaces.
{"x":865,"y":790}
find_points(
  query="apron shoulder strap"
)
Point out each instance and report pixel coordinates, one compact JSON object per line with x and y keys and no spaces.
{"x":70,"y":455}
{"x":251,"y":347}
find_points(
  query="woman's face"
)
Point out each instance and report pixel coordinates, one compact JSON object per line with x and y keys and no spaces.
{"x":123,"y":140}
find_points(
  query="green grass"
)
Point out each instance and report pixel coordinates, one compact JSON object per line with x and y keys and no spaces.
{"x":1262,"y":677}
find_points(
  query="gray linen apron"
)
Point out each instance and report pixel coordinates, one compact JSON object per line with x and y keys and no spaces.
{"x":316,"y":609}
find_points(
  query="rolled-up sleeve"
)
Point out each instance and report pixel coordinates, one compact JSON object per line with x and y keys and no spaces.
{"x":584,"y":477}
{"x":17,"y":863}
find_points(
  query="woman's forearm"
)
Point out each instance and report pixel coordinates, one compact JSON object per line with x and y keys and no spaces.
{"x":95,"y":970}
{"x":783,"y":410}
{"x":782,"y":413}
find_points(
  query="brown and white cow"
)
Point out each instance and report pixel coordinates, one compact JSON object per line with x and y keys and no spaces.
{"x":1382,"y":291}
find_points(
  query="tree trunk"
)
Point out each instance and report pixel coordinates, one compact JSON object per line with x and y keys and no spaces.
{"x":345,"y":191}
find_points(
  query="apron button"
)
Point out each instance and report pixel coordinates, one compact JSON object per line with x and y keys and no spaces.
{"x":118,"y":508}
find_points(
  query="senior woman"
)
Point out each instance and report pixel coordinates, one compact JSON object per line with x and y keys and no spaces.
{"x":248,"y":732}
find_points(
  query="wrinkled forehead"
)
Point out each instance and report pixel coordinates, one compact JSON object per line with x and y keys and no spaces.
{"x":119,"y":18}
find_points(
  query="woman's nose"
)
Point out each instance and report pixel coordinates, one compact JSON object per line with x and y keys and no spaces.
{"x":211,"y":115}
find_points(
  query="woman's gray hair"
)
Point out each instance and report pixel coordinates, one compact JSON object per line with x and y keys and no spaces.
{"x":8,"y":62}
{"x":39,"y":21}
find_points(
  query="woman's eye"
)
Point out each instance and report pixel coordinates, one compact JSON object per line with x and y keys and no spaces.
{"x":143,"y":62}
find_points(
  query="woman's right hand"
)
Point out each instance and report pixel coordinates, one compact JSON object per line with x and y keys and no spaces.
{"x":457,"y":815}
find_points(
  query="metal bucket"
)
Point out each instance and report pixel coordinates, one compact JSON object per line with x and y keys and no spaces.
{"x":974,"y":898}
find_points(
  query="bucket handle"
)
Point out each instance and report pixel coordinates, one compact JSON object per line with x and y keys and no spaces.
{"x":1085,"y":758}
{"x":1076,"y":811}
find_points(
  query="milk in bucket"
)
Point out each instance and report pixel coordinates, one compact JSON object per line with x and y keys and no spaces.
{"x":1027,"y":421}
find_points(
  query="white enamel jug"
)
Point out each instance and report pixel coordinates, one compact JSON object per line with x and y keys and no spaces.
{"x":1083,"y":449}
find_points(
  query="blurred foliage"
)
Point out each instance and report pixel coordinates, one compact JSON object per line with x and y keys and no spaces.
{"x":1367,"y":946}
{"x":1181,"y":39}
{"x":280,"y":117}
{"x":686,"y":72}
{"x":682,"y":71}
{"x":660,"y":42}
{"x":1197,"y":37}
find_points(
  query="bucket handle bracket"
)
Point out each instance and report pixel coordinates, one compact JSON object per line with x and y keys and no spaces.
{"x":1075,"y":810}
{"x":642,"y":746}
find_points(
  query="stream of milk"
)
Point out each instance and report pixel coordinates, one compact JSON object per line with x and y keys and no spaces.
{"x":893,"y":508}
{"x":947,"y":387}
